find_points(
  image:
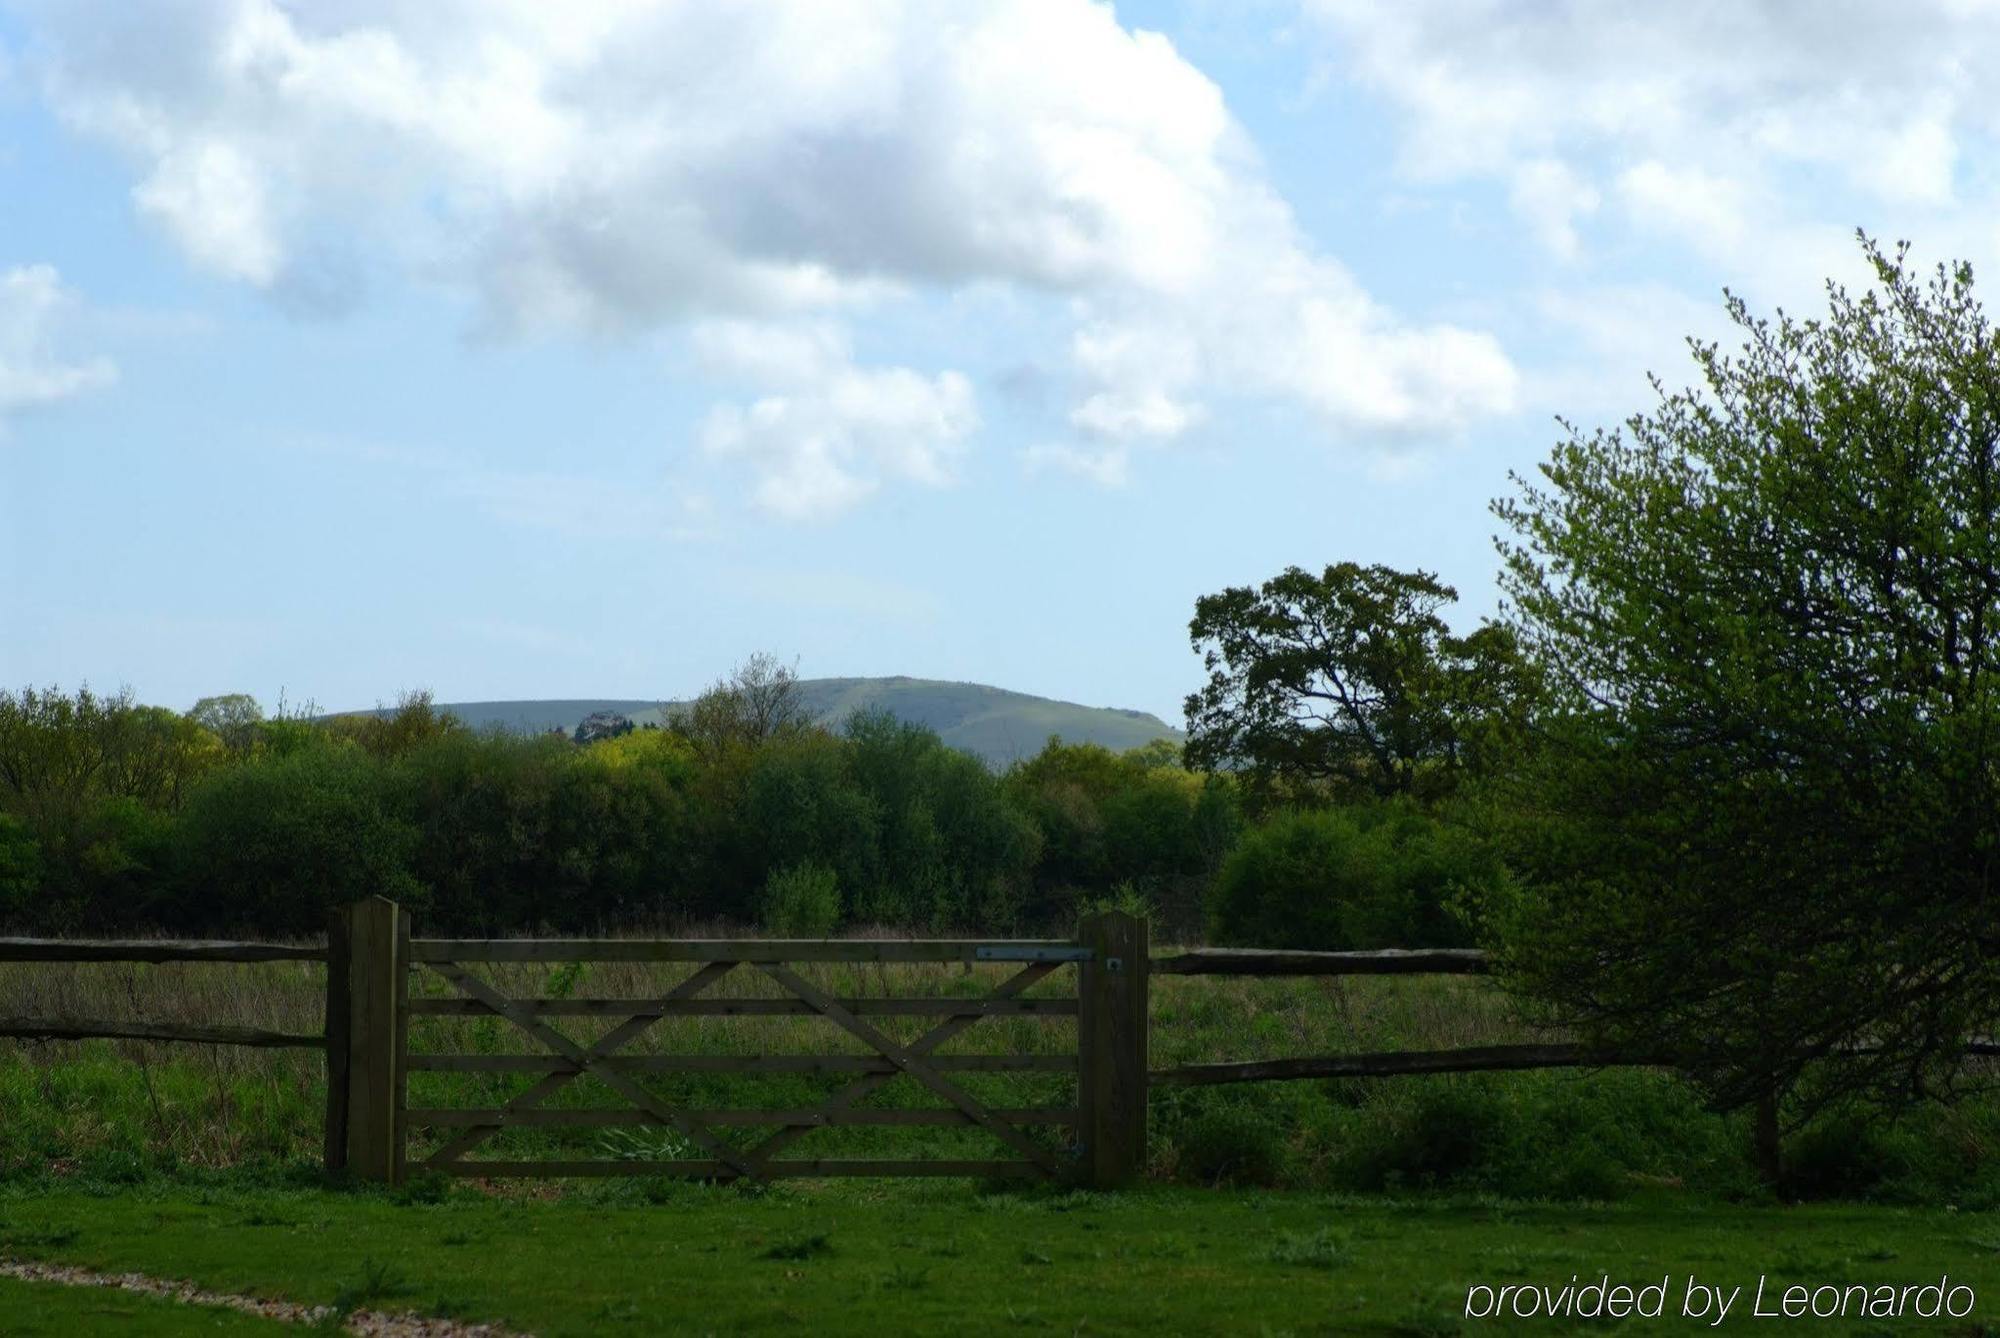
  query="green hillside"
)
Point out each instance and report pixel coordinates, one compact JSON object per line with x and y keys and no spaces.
{"x":992,"y":723}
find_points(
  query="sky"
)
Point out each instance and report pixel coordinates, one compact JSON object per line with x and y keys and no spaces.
{"x":518,"y":350}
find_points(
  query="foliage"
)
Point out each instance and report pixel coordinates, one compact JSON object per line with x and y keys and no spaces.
{"x":800,"y":901}
{"x":415,"y":722}
{"x":232,"y":717}
{"x":1766,"y":812}
{"x":1348,"y":681}
{"x":1109,"y":819}
{"x":20,"y":863}
{"x":278,"y":844}
{"x":1382,"y":875}
{"x":760,"y":700}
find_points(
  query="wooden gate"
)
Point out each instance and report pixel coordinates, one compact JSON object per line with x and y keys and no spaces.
{"x":1105,"y":1146}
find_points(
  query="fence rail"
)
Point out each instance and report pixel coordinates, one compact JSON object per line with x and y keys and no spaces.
{"x":1286,"y":962}
{"x":153,"y":950}
{"x":84,"y":1029}
{"x":371,"y":960}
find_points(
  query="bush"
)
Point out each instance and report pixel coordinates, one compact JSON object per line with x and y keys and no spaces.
{"x":272,"y":846}
{"x":20,"y":864}
{"x":801,"y":901}
{"x":1229,"y":1146}
{"x":1373,"y":876}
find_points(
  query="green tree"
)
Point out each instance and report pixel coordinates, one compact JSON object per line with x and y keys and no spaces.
{"x":232,"y":717}
{"x":1347,"y":681}
{"x":272,"y":845}
{"x":1370,"y":875}
{"x":1771,"y":609}
{"x":759,"y":700}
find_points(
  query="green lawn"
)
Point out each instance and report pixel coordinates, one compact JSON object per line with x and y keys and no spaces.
{"x":941,"y":1257}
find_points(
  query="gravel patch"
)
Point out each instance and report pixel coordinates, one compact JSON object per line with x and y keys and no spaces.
{"x":369,"y":1323}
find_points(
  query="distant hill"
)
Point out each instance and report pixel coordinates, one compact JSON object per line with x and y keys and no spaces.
{"x":992,"y":723}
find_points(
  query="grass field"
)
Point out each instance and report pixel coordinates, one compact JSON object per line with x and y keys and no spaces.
{"x":944,"y":1258}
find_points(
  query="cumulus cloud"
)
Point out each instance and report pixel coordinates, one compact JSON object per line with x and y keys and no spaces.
{"x":617,"y":166}
{"x":832,"y":430}
{"x":32,"y":373}
{"x":1720,"y":125}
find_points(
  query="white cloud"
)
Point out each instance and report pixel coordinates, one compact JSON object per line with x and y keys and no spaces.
{"x":1614,"y":335}
{"x":1550,"y":197}
{"x":1106,"y":464}
{"x":1730,"y":127}
{"x":32,"y":373}
{"x":210,"y":199}
{"x":831,"y":431}
{"x":621,"y":165}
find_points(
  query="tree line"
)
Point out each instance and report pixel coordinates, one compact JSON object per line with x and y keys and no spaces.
{"x":120,"y":816}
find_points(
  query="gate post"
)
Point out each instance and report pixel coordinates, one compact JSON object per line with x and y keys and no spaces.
{"x":367,"y":989}
{"x":1111,"y":1049}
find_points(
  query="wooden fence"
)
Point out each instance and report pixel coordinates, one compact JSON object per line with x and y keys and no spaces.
{"x":371,"y":959}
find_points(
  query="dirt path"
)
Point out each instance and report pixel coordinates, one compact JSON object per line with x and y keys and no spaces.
{"x":369,"y":1323}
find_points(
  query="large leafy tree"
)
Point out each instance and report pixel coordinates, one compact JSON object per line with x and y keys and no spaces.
{"x":1349,"y":680}
{"x":1771,"y":609}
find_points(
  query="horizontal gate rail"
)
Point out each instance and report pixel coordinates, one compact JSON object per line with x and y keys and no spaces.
{"x":463,"y":950}
{"x":594,"y":1118}
{"x":715,"y":1170}
{"x":557,"y":1064}
{"x":944,"y":1007}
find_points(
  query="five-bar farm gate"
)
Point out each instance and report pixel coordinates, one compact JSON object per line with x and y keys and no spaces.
{"x":372,"y":961}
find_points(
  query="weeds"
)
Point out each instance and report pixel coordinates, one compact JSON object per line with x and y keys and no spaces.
{"x":805,"y":1247}
{"x":1325,"y":1248}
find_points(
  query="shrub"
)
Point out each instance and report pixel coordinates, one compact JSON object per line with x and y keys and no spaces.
{"x":1373,"y":876}
{"x":272,"y":845}
{"x":1229,"y":1146}
{"x":801,"y":901}
{"x":20,"y":863}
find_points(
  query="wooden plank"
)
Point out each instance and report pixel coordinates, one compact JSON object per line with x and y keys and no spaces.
{"x":938,"y":1007}
{"x":1284,"y":962}
{"x":1012,"y":987}
{"x":1474,"y":1059}
{"x":557,"y":1064}
{"x":152,"y":950}
{"x":1111,"y":1039}
{"x":544,"y":1117}
{"x":713,"y":950}
{"x":83,"y":1029}
{"x":714,"y":1170}
{"x":338,"y":1007}
{"x":603,"y":1047}
{"x":591,"y":1063}
{"x":375,"y":973}
{"x":914,"y":1066}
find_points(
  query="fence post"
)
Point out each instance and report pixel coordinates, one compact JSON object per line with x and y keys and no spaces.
{"x":377,"y":949}
{"x":1111,"y":1046}
{"x":339,"y":1010}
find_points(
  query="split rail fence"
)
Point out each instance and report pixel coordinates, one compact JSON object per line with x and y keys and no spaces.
{"x":371,"y":960}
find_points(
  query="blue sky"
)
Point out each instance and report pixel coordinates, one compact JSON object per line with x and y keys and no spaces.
{"x":516,"y":350}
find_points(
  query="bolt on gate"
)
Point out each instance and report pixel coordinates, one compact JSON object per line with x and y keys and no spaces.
{"x":373,"y":959}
